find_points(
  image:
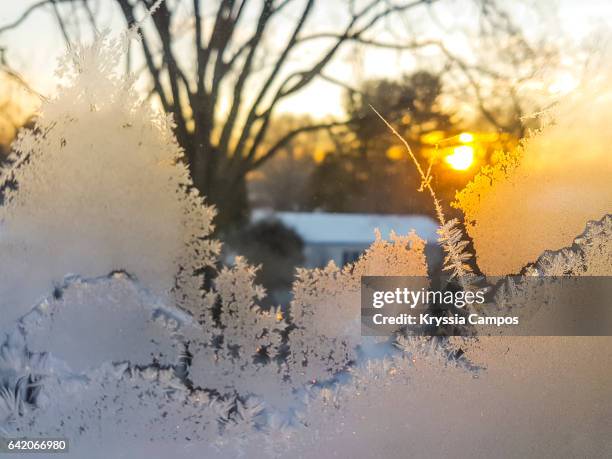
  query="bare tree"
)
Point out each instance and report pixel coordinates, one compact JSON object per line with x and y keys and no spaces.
{"x":223,"y":144}
{"x":220,"y":69}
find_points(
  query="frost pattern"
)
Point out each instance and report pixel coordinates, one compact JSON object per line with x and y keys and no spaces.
{"x":117,"y":321}
{"x":450,"y":236}
{"x":100,"y":188}
{"x":589,"y":255}
{"x":326,"y":305}
{"x":21,"y":372}
{"x":540,"y":196}
{"x":242,"y":342}
{"x":110,"y":162}
{"x":201,"y":383}
{"x":268,"y":352}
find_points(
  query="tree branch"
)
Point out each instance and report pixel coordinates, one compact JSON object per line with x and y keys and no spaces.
{"x":162,"y":19}
{"x":199,"y":44}
{"x":263,"y":91}
{"x":305,"y":77}
{"x":27,"y":12}
{"x":90,"y":15}
{"x":128,"y":14}
{"x":204,"y":52}
{"x":220,"y":67}
{"x":246,"y":69}
{"x":60,"y":22}
{"x":463,"y":66}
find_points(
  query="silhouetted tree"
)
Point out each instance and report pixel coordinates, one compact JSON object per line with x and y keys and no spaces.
{"x":223,"y":59}
{"x":222,"y":69}
{"x":361,"y":176}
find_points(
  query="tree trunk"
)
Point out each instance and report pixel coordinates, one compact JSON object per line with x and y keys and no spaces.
{"x":231,"y":204}
{"x":231,"y":201}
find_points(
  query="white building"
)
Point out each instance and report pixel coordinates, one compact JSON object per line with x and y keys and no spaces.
{"x":343,"y":237}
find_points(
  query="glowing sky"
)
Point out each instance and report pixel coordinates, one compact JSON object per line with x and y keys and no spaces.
{"x":33,"y":48}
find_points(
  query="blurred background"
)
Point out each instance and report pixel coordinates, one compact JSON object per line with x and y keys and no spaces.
{"x":273,"y":102}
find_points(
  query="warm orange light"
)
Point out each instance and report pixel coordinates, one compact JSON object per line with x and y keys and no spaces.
{"x":433,"y":137}
{"x":461,"y":158}
{"x":319,"y":155}
{"x":466,"y":137}
{"x":395,"y":153}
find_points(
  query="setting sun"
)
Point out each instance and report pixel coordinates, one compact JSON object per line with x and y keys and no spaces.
{"x":461,"y":158}
{"x":466,"y":137}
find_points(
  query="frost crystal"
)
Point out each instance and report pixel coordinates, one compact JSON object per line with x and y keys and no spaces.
{"x":540,"y":196}
{"x":326,"y":305}
{"x":589,"y":255}
{"x":242,"y":339}
{"x":100,"y":187}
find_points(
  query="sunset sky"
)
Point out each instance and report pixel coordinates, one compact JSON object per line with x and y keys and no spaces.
{"x":32,"y":49}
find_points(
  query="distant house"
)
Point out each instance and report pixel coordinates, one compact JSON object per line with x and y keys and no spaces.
{"x":343,"y":237}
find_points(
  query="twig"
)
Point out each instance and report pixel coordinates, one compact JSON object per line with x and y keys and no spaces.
{"x":450,"y":235}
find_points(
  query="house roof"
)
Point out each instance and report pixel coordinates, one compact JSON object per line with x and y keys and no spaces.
{"x":342,"y":228}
